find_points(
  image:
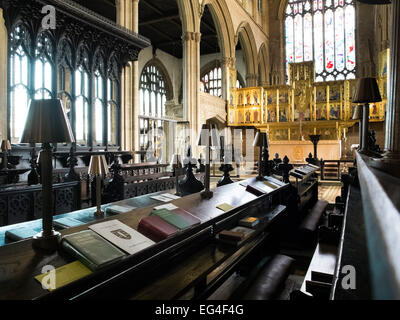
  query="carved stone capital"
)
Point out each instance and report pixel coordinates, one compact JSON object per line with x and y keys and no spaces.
{"x":191,"y":36}
{"x":229,"y":62}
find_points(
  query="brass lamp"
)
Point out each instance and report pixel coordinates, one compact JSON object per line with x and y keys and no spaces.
{"x":47,"y":123}
{"x":98,"y":168}
{"x":5,"y":148}
{"x":261,"y":141}
{"x":358,"y":115}
{"x":176,"y":164}
{"x":208,"y":138}
{"x":366,"y":92}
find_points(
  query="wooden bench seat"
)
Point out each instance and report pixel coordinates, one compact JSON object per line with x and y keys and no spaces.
{"x":310,"y":222}
{"x":270,"y":279}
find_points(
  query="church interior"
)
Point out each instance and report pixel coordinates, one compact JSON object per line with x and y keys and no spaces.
{"x":199,"y":150}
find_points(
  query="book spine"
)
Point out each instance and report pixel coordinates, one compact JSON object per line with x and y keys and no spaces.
{"x":76,"y":254}
{"x":151,"y":232}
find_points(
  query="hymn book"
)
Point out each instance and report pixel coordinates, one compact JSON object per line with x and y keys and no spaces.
{"x":91,"y":249}
{"x":122,"y":236}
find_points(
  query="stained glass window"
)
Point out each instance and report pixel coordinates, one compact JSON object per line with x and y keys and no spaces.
{"x":322,"y":31}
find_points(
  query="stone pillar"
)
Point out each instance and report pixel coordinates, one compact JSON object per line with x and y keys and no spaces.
{"x":391,"y":160}
{"x":251,"y":80}
{"x":191,"y":84}
{"x":226,"y":65}
{"x":3,"y":77}
{"x":128,"y":17}
{"x":392,"y":144}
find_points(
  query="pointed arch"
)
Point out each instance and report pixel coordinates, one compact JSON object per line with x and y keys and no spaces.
{"x":167,"y":79}
{"x":246,"y":36}
{"x":224,"y":25}
{"x":264,"y":63}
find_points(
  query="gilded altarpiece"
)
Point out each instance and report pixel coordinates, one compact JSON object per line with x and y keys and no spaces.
{"x":303,"y":107}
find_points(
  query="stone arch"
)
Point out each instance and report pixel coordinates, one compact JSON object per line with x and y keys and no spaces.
{"x":167,"y":79}
{"x":245,"y":35}
{"x":263,"y":62}
{"x":224,"y":25}
{"x":188,"y":11}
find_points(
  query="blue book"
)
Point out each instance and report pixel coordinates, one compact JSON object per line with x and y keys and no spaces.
{"x":67,"y":222}
{"x":21,"y":233}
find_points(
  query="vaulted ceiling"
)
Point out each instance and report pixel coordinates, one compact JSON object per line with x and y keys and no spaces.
{"x":160,"y":22}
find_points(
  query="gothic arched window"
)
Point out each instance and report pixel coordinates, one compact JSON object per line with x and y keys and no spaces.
{"x":322,"y":31}
{"x":211,"y":82}
{"x":152,"y":122}
{"x":112,"y":102}
{"x":82,"y":90}
{"x":44,"y":69}
{"x":20,"y":64}
{"x":99,"y":97}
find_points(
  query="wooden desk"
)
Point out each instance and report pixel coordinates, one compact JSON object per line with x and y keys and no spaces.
{"x":86,"y":215}
{"x":19,"y":263}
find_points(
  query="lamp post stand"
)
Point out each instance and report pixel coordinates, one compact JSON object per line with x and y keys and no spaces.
{"x":207,"y":193}
{"x":48,"y":238}
{"x":99,"y":213}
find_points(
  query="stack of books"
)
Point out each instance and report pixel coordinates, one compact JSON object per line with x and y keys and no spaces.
{"x":104,"y":243}
{"x":165,"y":221}
{"x":235,"y":236}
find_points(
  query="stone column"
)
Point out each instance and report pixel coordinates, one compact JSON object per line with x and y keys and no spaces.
{"x":227,"y":63}
{"x":3,"y":77}
{"x":392,"y":145}
{"x":135,"y":81}
{"x":128,"y":17}
{"x":191,"y":84}
{"x":251,"y":80}
{"x":391,"y":160}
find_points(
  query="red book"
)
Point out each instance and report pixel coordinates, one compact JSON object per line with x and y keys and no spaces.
{"x":187,"y":216}
{"x":156,"y":228}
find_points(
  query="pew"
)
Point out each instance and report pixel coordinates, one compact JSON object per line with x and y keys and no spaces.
{"x":268,"y":282}
{"x":309,"y":226}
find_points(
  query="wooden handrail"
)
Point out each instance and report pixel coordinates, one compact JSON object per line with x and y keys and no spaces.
{"x":380,"y":194}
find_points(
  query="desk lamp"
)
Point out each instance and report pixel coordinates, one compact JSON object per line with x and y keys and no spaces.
{"x":5,"y":148}
{"x":208,"y":138}
{"x":260,"y":141}
{"x":47,"y":123}
{"x":98,"y":168}
{"x":366,"y":92}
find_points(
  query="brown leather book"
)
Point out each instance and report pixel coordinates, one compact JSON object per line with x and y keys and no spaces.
{"x":231,"y":235}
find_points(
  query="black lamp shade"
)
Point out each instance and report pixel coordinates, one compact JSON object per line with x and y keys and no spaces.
{"x":367,"y":91}
{"x":47,"y":123}
{"x":260,"y":140}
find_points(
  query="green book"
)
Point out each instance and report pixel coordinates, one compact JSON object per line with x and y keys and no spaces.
{"x":172,"y":218}
{"x":91,"y":249}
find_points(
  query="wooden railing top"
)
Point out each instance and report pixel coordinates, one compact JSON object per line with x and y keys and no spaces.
{"x":381,"y":205}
